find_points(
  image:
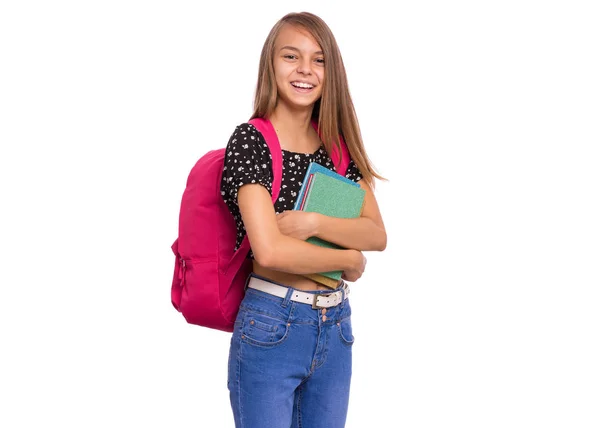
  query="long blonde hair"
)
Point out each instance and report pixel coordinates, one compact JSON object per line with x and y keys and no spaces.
{"x":334,"y":110}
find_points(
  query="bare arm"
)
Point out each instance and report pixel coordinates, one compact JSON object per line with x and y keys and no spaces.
{"x":274,"y":250}
{"x":366,"y":233}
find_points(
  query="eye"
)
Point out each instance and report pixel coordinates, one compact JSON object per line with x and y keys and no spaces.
{"x":289,"y":56}
{"x":320,"y":60}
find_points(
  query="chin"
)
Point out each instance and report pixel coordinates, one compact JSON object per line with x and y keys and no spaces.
{"x":300,"y":103}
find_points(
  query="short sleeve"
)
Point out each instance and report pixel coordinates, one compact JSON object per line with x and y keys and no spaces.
{"x":247,"y":160}
{"x":353,"y":173}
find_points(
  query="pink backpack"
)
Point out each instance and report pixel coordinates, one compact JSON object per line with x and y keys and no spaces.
{"x":209,"y":277}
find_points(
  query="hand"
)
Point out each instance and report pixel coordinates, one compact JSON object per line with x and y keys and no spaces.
{"x":297,"y":224}
{"x":359,"y":263}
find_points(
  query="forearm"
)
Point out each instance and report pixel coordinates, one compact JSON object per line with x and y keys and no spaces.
{"x":275,"y":250}
{"x":361,"y":233}
{"x":292,"y":255}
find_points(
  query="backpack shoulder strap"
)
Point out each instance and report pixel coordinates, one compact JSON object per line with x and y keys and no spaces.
{"x":336,"y":156}
{"x":268,"y":132}
{"x":345,"y":161}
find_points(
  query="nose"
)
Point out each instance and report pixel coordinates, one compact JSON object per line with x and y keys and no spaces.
{"x":304,"y":66}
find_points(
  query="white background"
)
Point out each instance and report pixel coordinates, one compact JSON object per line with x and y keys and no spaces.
{"x":482,"y":312}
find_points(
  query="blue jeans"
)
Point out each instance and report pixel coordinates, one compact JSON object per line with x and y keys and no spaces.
{"x":289,"y":364}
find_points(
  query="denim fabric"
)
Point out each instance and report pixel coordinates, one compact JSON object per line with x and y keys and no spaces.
{"x":289,"y":368}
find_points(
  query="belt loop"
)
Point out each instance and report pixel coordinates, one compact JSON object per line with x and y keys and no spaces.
{"x":247,"y":281}
{"x":288,"y":296}
{"x":344,"y":290}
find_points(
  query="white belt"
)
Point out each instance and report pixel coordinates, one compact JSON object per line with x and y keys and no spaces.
{"x":316,"y":300}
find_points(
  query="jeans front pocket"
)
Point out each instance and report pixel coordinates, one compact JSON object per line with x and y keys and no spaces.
{"x":262,"y":330}
{"x":345,"y":331}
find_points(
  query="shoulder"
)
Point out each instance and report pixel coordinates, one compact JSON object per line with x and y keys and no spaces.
{"x":247,"y":153}
{"x":247,"y":138}
{"x":247,"y":132}
{"x":352,"y":172}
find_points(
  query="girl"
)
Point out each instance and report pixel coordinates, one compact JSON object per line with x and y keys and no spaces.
{"x":290,"y":356}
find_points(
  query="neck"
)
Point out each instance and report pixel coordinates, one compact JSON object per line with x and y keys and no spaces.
{"x":292,"y":122}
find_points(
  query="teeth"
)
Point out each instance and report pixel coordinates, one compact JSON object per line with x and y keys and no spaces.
{"x":302,"y":85}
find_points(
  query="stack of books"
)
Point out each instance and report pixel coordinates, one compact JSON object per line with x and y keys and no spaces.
{"x":329,"y":193}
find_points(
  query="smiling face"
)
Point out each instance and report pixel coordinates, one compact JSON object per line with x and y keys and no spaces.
{"x":299,"y":68}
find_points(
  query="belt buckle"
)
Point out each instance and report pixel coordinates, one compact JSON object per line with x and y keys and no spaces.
{"x":314,"y":302}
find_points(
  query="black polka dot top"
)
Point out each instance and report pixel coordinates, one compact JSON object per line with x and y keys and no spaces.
{"x":248,"y":160}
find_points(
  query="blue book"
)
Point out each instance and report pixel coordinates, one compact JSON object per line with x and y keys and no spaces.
{"x":327,"y":192}
{"x":317,"y":167}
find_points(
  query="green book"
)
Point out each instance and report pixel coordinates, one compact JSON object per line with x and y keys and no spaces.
{"x":335,"y":198}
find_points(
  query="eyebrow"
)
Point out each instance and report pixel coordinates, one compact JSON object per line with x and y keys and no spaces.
{"x":298,"y":50}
